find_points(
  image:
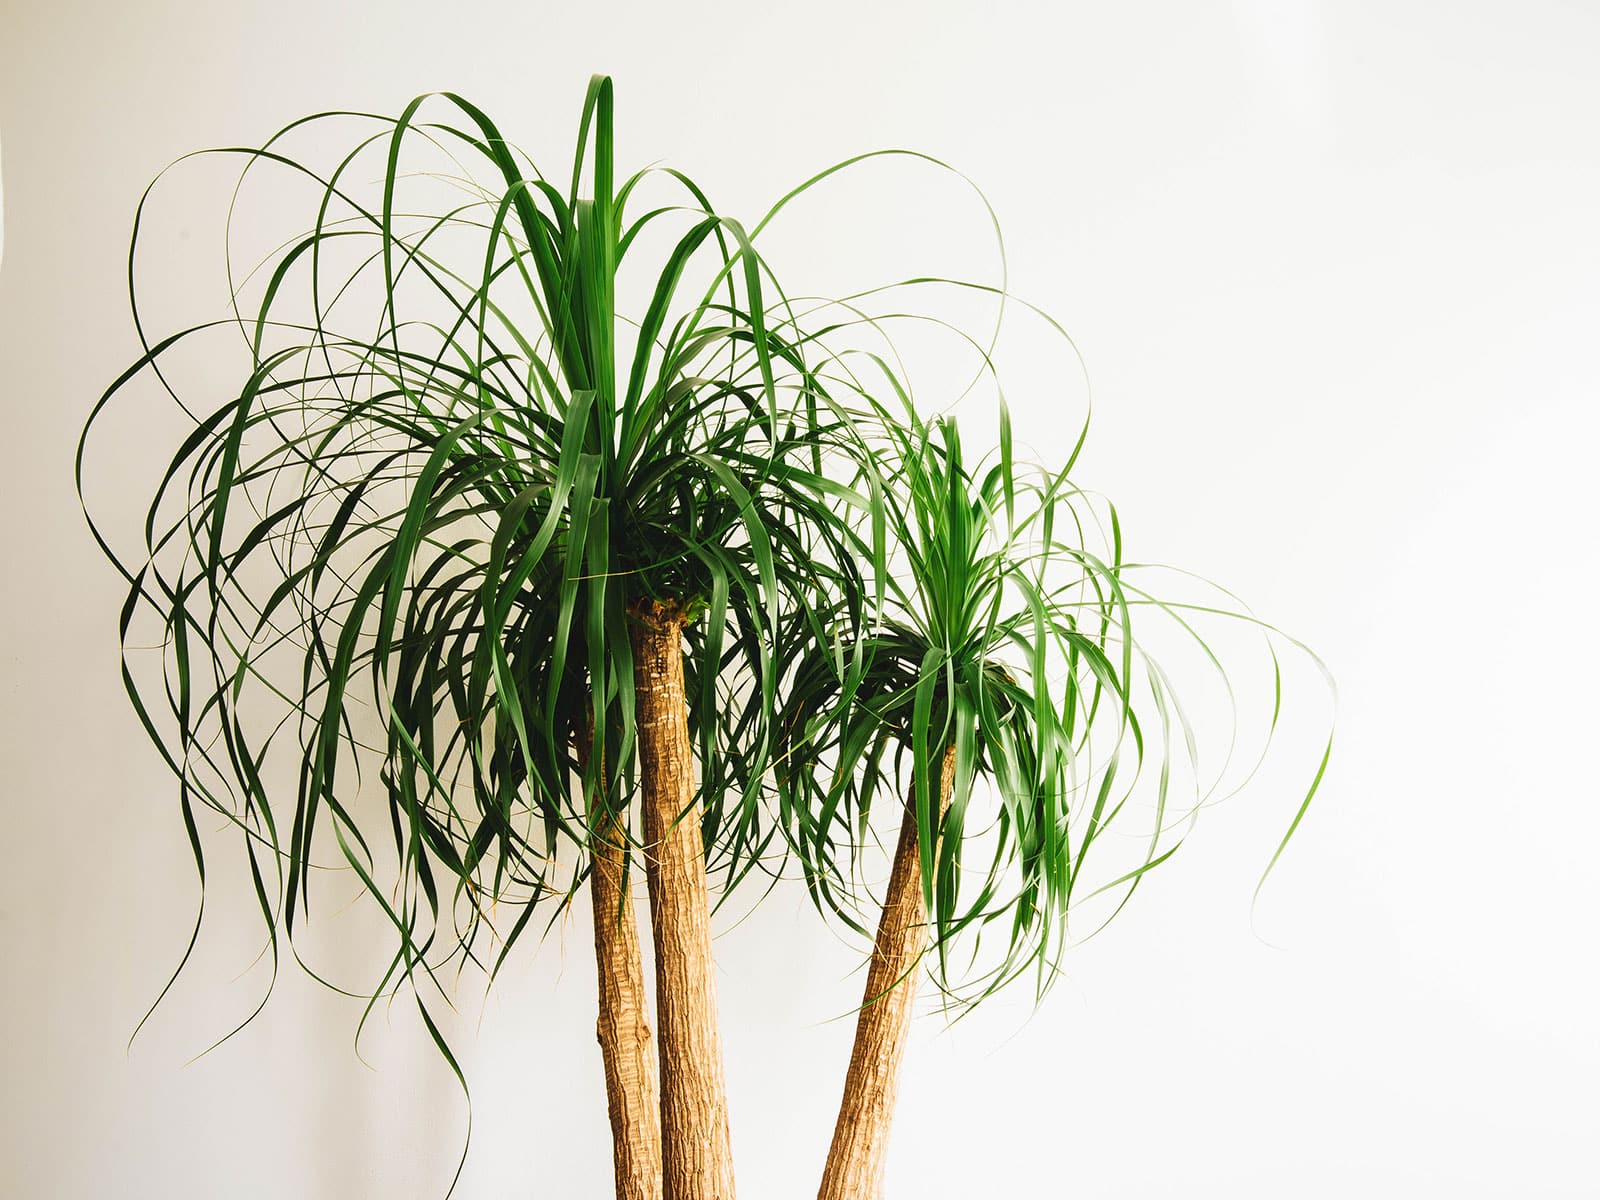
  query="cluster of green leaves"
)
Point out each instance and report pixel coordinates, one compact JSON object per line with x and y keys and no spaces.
{"x":410,"y":552}
{"x":1006,"y":642}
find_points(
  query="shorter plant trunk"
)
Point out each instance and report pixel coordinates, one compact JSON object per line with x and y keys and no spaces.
{"x":854,"y":1170}
{"x":623,"y":1026}
{"x":696,"y":1150}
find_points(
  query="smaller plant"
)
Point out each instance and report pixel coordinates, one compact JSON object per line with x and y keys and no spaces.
{"x":1005,"y":692}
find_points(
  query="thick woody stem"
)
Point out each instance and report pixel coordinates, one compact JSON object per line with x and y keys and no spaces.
{"x":697,"y":1156}
{"x":623,"y":1027}
{"x":854,"y":1170}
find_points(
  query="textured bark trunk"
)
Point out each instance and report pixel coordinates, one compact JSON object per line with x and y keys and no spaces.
{"x":696,"y":1152}
{"x":623,"y":1027}
{"x":854,"y":1170}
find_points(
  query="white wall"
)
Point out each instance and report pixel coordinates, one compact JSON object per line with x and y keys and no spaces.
{"x":1336,"y":272}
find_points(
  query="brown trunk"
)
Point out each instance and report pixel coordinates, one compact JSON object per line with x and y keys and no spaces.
{"x":696,"y":1152}
{"x":854,"y":1170}
{"x":623,"y":1027}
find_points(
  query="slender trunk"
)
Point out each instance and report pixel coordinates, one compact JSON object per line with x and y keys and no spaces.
{"x":854,"y":1170}
{"x":697,"y":1156}
{"x":623,"y":1027}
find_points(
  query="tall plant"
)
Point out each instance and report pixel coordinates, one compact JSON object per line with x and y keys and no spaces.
{"x":456,"y":530}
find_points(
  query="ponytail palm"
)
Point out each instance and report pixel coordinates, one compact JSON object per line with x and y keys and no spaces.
{"x":1005,"y":691}
{"x":1000,"y":663}
{"x":443,"y":547}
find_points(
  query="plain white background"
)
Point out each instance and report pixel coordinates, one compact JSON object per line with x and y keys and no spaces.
{"x":1335,"y":269}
